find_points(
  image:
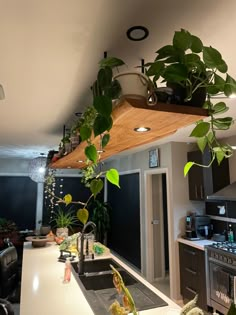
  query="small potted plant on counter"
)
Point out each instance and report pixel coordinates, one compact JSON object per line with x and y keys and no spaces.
{"x":64,"y":220}
{"x":194,"y":73}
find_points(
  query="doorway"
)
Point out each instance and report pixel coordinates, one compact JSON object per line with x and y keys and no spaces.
{"x":157,"y":229}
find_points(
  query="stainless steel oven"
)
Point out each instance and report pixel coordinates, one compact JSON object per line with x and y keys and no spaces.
{"x":221,"y":276}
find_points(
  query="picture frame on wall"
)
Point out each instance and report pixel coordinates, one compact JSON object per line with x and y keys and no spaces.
{"x":154,"y":158}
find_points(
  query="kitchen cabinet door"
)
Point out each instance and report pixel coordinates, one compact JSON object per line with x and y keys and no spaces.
{"x":205,"y":181}
{"x":192,"y":274}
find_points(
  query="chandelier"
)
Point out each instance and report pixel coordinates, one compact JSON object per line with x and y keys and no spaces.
{"x":37,"y":169}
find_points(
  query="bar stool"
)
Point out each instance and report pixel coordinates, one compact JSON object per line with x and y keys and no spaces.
{"x":6,"y":307}
{"x":9,"y":278}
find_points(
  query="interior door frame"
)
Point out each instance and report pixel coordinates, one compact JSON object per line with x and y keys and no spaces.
{"x":148,"y":226}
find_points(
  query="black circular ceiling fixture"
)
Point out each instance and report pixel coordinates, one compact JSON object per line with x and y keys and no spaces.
{"x":137,"y":33}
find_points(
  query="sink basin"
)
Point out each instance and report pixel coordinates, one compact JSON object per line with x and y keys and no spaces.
{"x":91,"y":266}
{"x":99,"y":290}
{"x":104,"y":281}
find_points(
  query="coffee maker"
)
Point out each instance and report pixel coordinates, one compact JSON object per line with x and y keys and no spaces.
{"x":197,"y":227}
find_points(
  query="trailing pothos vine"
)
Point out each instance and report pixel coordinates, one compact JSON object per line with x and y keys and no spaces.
{"x":95,"y":122}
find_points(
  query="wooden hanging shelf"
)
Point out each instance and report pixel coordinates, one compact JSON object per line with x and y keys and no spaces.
{"x":163,"y":119}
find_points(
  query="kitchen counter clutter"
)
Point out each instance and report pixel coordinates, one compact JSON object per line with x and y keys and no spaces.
{"x":43,"y":290}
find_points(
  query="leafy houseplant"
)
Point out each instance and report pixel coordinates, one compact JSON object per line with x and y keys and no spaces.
{"x":63,"y":221}
{"x":188,"y":64}
{"x":101,"y":217}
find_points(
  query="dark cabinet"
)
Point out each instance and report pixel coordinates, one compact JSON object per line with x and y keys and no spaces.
{"x":192,"y":274}
{"x":205,"y":181}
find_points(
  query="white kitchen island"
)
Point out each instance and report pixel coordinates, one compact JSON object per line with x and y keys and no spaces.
{"x":44,"y":293}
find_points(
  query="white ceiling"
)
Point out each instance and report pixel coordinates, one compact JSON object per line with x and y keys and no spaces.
{"x":50,"y":50}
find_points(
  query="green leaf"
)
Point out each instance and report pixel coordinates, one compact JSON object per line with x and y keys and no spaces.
{"x":175,"y":73}
{"x":96,"y":186}
{"x":213,"y":59}
{"x":187,"y":167}
{"x":156,"y":68}
{"x":220,"y":156}
{"x":83,"y":215}
{"x":191,"y":59}
{"x":200,"y":130}
{"x":104,"y":77}
{"x":103,"y":105}
{"x":223,"y":123}
{"x":111,"y":62}
{"x":165,"y":51}
{"x":219,"y":82}
{"x":105,"y":140}
{"x":182,"y":40}
{"x":85,"y":133}
{"x":196,"y":45}
{"x":230,"y":86}
{"x":101,"y":124}
{"x":219,"y":107}
{"x":212,"y":89}
{"x":210,"y":137}
{"x":91,"y":153}
{"x":113,"y":177}
{"x":202,"y":142}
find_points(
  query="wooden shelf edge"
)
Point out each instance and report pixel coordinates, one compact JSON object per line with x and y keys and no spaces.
{"x":135,"y":108}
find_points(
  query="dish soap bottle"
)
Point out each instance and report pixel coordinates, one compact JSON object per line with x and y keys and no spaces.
{"x":67,"y":271}
{"x":230,"y":234}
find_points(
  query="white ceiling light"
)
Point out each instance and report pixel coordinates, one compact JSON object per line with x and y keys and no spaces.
{"x":37,"y":169}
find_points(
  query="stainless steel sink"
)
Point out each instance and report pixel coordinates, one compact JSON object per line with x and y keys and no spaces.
{"x":99,"y":290}
{"x":103,"y":281}
{"x":96,"y":265}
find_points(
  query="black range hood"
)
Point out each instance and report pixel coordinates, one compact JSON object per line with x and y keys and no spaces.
{"x":228,"y":193}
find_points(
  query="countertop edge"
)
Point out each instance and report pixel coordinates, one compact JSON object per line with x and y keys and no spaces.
{"x":199,"y":244}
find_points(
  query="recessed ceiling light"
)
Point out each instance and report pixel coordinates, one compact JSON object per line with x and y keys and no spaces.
{"x":137,"y":33}
{"x":142,"y":129}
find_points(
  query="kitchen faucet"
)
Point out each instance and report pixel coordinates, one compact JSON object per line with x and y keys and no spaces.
{"x":81,"y":254}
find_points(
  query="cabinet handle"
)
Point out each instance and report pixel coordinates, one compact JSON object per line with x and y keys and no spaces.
{"x":189,"y":252}
{"x":195,"y":186}
{"x":191,"y":290}
{"x":191,"y":271}
{"x":201,"y":190}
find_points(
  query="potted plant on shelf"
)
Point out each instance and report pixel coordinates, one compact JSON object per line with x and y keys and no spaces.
{"x":193,"y":69}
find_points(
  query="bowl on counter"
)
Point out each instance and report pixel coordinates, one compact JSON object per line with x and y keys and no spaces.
{"x":37,"y":241}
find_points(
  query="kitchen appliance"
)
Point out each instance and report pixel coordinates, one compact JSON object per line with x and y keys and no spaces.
{"x":198,"y":227}
{"x":221,"y":275}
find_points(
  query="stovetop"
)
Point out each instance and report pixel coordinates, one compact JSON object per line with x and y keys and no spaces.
{"x":223,"y":253}
{"x":225,"y":246}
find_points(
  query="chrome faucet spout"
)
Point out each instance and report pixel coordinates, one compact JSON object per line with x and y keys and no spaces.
{"x":81,"y":254}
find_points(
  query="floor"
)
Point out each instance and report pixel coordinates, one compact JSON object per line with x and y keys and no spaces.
{"x":163,"y":285}
{"x":16,"y":308}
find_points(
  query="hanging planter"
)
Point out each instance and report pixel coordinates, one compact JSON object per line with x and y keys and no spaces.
{"x":133,"y":85}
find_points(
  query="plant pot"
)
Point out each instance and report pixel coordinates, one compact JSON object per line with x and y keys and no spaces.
{"x":133,"y":85}
{"x":180,"y":94}
{"x":75,"y":140}
{"x":62,"y":232}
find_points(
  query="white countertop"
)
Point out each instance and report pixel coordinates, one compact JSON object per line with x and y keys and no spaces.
{"x":200,"y":244}
{"x":43,"y":290}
